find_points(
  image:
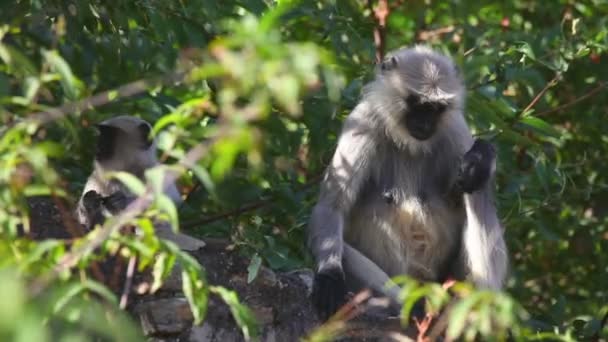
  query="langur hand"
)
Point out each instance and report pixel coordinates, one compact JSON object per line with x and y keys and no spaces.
{"x":329,"y":292}
{"x":92,"y":201}
{"x":116,"y":202}
{"x":476,"y":167}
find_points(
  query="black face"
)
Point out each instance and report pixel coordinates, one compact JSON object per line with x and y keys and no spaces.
{"x":422,"y":117}
{"x":106,"y":142}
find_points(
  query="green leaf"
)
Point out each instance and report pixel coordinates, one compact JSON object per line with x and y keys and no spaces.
{"x":71,"y":85}
{"x":162,"y":268}
{"x":253,"y":268}
{"x":134,"y":184}
{"x":17,"y":61}
{"x":460,"y":314}
{"x":242,"y":315}
{"x":540,"y":126}
{"x":196,"y":292}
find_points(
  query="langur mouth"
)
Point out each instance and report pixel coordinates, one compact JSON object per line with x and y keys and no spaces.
{"x":420,"y":131}
{"x":421,"y":136}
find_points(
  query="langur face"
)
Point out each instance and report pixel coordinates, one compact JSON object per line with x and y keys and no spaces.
{"x":423,"y":86}
{"x":115,"y":134}
{"x":422,"y":117}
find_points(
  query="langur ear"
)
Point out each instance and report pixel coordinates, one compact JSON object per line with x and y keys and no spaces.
{"x":145,"y":136}
{"x":388,"y":63}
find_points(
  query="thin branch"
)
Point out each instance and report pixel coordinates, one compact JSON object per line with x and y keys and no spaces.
{"x":105,"y":97}
{"x":124,"y":298}
{"x":430,"y":34}
{"x":581,"y":98}
{"x":381,"y":13}
{"x":489,"y":80}
{"x":243,"y":209}
{"x":541,"y":93}
{"x":236,"y":212}
{"x":470,"y":51}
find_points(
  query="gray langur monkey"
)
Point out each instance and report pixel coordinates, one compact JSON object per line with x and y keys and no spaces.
{"x":408,"y":190}
{"x":124,"y":144}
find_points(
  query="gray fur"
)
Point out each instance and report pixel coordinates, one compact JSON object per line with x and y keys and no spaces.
{"x":418,"y":232}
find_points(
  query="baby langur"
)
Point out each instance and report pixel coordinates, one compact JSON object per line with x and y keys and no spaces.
{"x":124,"y":144}
{"x":408,"y":191}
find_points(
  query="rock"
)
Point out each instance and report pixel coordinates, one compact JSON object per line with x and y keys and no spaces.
{"x":209,"y":333}
{"x":264,"y":314}
{"x":165,"y":317}
{"x":307,"y":277}
{"x":265,"y":277}
{"x":173,"y":282}
{"x":183,"y":241}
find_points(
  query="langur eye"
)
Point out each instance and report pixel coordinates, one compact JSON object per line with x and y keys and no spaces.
{"x":389,"y":63}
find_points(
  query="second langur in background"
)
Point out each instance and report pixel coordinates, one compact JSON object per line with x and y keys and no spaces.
{"x":408,"y":190}
{"x":124,"y":144}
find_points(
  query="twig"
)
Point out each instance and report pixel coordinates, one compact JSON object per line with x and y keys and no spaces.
{"x":128,"y":281}
{"x":541,"y":93}
{"x":105,"y":97}
{"x":396,"y":4}
{"x":221,"y":216}
{"x":243,"y":209}
{"x":490,"y":80}
{"x":429,"y":34}
{"x":441,"y":324}
{"x":352,"y":308}
{"x":587,"y":95}
{"x":470,"y":51}
{"x":381,"y":13}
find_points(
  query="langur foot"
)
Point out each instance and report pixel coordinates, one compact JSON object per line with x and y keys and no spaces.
{"x":329,"y":292}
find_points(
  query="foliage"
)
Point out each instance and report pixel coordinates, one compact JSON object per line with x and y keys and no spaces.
{"x":261,"y":88}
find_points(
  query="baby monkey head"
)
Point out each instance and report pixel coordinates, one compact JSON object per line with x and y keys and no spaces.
{"x":415,"y":91}
{"x":124,"y":140}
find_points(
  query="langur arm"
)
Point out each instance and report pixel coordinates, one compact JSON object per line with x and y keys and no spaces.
{"x":90,"y":209}
{"x":343,"y":180}
{"x":485,"y":250}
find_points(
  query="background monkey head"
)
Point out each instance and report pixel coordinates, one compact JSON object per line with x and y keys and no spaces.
{"x":416,"y":93}
{"x":125,"y":144}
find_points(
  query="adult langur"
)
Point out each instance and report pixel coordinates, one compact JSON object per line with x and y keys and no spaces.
{"x":408,"y":191}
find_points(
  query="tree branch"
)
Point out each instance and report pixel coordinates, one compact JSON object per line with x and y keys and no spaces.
{"x":541,"y":94}
{"x":581,"y":98}
{"x":124,"y":298}
{"x":105,"y":97}
{"x":243,"y":209}
{"x":381,"y":13}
